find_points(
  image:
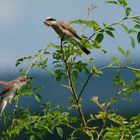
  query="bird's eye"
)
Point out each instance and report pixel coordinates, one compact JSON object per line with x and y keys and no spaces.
{"x":23,"y":80}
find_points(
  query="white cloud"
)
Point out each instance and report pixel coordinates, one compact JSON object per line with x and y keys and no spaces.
{"x":9,"y":12}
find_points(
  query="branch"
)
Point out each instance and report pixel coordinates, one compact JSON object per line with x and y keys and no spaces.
{"x":84,"y":86}
{"x":117,"y":67}
{"x":15,"y":109}
{"x":113,"y":24}
{"x":34,"y":61}
{"x":71,"y":86}
{"x":104,"y":68}
{"x":28,"y":70}
{"x":100,"y":134}
{"x":16,"y":105}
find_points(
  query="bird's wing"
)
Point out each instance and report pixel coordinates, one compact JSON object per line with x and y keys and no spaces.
{"x":7,"y":88}
{"x":69,"y":28}
{"x":3,"y":82}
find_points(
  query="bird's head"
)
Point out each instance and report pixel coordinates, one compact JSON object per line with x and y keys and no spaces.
{"x":49,"y":21}
{"x":20,"y":81}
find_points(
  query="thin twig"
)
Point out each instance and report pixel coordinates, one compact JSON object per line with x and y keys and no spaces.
{"x":84,"y":86}
{"x":104,"y":68}
{"x":112,"y":24}
{"x":34,"y":61}
{"x":100,"y":134}
{"x":122,"y":137}
{"x":28,"y":70}
{"x":117,"y":67}
{"x":15,"y":109}
{"x":16,"y":105}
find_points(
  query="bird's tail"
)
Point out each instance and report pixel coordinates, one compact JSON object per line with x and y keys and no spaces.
{"x":3,"y":103}
{"x":82,"y":47}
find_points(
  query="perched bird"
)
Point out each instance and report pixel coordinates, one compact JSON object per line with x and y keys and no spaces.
{"x":9,"y":90}
{"x":64,"y":30}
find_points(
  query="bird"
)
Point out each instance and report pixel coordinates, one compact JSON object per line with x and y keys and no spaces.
{"x":9,"y":90}
{"x":64,"y":30}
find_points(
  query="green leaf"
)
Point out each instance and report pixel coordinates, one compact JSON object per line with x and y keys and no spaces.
{"x":75,"y":74}
{"x":127,"y":11}
{"x":95,"y":99}
{"x":38,"y":88}
{"x":49,"y":130}
{"x":58,"y":77}
{"x":99,"y":37}
{"x":137,"y":73}
{"x":116,"y":60}
{"x":94,"y":24}
{"x":96,"y":45}
{"x":104,"y":51}
{"x":136,"y":21}
{"x":124,"y":52}
{"x":123,"y":2}
{"x":118,"y":81}
{"x":125,"y":27}
{"x":137,"y":26}
{"x":110,"y":33}
{"x":42,"y":63}
{"x":26,"y":93}
{"x":20,"y":60}
{"x":117,"y":118}
{"x":131,"y":31}
{"x":138,"y":37}
{"x":66,"y":86}
{"x":90,"y":23}
{"x":111,"y":2}
{"x":59,"y":131}
{"x":96,"y":71}
{"x":32,"y":137}
{"x":5,"y":119}
{"x":110,"y":28}
{"x":58,"y":74}
{"x":38,"y":97}
{"x":132,"y":41}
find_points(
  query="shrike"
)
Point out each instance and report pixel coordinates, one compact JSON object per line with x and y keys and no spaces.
{"x":64,"y":30}
{"x":9,"y":90}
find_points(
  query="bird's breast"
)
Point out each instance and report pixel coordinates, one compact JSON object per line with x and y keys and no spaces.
{"x":58,"y":30}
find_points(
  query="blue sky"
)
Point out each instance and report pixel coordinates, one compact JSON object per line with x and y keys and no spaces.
{"x":22,"y":31}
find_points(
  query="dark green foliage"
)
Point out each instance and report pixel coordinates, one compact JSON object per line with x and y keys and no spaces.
{"x":30,"y":123}
{"x":138,"y":37}
{"x":68,"y":63}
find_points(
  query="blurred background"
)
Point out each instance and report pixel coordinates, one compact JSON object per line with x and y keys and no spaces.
{"x":23,"y":33}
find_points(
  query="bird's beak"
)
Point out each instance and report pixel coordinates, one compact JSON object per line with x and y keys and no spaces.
{"x":46,"y":23}
{"x":26,"y":80}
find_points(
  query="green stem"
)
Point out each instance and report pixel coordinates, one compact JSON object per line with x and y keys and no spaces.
{"x":72,"y":88}
{"x":30,"y":67}
{"x":91,"y":138}
{"x":122,"y":137}
{"x":16,"y":105}
{"x":84,"y":86}
{"x":34,"y":61}
{"x":104,"y":68}
{"x":113,"y":24}
{"x":116,"y":67}
{"x":100,"y":134}
{"x":15,"y":109}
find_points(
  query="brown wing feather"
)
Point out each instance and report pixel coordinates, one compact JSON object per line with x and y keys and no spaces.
{"x":69,"y":28}
{"x":7,"y":87}
{"x":3,"y":82}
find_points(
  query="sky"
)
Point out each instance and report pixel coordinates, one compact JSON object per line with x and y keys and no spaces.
{"x":22,"y":31}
